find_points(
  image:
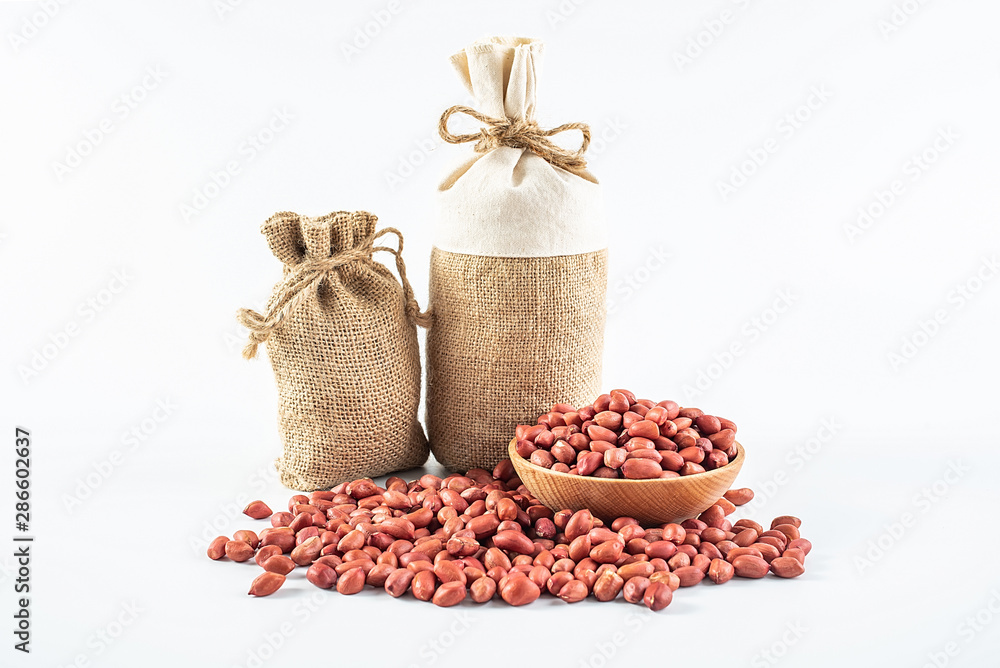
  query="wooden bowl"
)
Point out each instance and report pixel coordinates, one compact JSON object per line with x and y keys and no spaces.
{"x":655,"y":501}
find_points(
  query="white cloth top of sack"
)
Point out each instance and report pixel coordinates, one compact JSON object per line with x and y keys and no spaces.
{"x":510,"y":202}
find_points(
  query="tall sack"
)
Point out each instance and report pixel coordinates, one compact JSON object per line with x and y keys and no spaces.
{"x":341,"y":335}
{"x":518,"y":276}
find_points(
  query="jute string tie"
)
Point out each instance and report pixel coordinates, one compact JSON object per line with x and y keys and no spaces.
{"x":305,"y":277}
{"x":519,"y":133}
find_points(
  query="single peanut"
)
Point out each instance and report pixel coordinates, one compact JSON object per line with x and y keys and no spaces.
{"x":607,"y":586}
{"x":247,"y":536}
{"x":449,"y":594}
{"x":740,"y":496}
{"x":768,"y":551}
{"x":579,"y":524}
{"x":307,"y":552}
{"x":378,"y":574}
{"x":398,"y":582}
{"x":787,"y":567}
{"x":352,"y":581}
{"x":747,"y":566}
{"x":266,"y":584}
{"x":608,"y":552}
{"x":265,"y":553}
{"x":790,"y":530}
{"x":448,"y":571}
{"x":557,"y":580}
{"x":641,"y":469}
{"x":279,"y":564}
{"x":667,"y":578}
{"x":802,"y":544}
{"x":720,"y":571}
{"x":573,"y":591}
{"x":786,"y":519}
{"x":689,"y":575}
{"x":740,"y":551}
{"x":635,"y":588}
{"x":217,"y":548}
{"x":635,"y":569}
{"x":423,"y":586}
{"x":513,"y":541}
{"x":520,"y":591}
{"x":482,"y":590}
{"x":320,"y":574}
{"x":746,"y":538}
{"x":679,"y":560}
{"x":283,"y":537}
{"x":238,"y":550}
{"x":258,"y":510}
{"x":657,"y":596}
{"x":795,"y":553}
{"x":661,"y":549}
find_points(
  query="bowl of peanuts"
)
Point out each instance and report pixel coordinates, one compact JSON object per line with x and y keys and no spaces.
{"x":623,"y":456}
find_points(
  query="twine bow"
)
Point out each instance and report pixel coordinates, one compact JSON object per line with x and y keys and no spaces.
{"x":519,"y":133}
{"x":305,"y":277}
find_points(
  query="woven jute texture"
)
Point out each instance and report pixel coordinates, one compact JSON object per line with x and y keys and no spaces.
{"x":341,"y":336}
{"x":510,"y":338}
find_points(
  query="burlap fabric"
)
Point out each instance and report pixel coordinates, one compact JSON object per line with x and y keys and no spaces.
{"x":341,"y":335}
{"x":511,"y":337}
{"x":519,"y":268}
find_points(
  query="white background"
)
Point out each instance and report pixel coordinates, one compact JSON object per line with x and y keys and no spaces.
{"x":838,"y":431}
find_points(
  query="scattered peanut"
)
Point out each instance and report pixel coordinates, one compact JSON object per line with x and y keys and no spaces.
{"x":482,"y":535}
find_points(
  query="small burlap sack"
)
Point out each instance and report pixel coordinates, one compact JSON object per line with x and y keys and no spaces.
{"x":518,"y":271}
{"x":341,"y":336}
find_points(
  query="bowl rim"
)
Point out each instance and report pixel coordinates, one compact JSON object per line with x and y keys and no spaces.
{"x":714,"y":473}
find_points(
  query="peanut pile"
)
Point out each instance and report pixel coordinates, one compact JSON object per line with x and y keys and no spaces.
{"x":619,"y":436}
{"x":481,"y":535}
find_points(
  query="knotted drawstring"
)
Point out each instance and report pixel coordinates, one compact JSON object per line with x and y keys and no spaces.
{"x":519,"y":133}
{"x":306,"y":276}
